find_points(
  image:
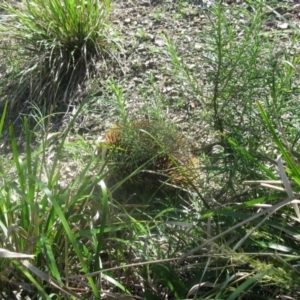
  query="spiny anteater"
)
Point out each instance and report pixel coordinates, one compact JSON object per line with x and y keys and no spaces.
{"x":150,"y":154}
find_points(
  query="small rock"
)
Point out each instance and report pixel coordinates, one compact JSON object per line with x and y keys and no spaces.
{"x":159,"y":42}
{"x":197,"y":46}
{"x":283,"y":25}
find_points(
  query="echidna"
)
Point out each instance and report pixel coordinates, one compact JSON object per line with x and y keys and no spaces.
{"x":149,"y":154}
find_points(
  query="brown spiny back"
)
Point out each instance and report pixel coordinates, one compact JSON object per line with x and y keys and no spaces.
{"x":159,"y":152}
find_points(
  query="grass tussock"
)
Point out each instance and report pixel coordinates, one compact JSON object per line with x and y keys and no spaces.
{"x":56,"y":43}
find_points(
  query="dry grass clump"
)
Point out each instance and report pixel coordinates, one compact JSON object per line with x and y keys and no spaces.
{"x":149,"y":154}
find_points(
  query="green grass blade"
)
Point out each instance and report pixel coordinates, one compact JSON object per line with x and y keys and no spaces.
{"x":69,"y":233}
{"x":51,"y":262}
{"x":32,"y":279}
{"x":104,"y":216}
{"x":17,"y":159}
{"x":246,"y":285}
{"x":2,"y":119}
{"x":276,"y":139}
{"x":115,"y":282}
{"x":31,"y":182}
{"x":21,"y":171}
{"x":251,"y":158}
